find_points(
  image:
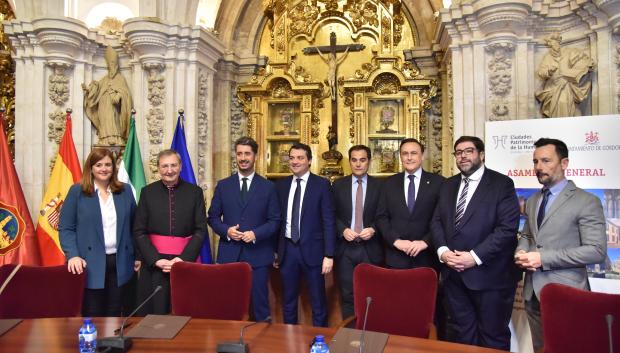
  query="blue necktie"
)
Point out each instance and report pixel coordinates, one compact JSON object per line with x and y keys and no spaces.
{"x":543,"y":204}
{"x":295,"y":213}
{"x":411,"y":194}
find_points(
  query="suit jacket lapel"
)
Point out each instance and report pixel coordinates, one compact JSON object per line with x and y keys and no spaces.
{"x":251,"y":191}
{"x":348,"y":189}
{"x":532,"y":215}
{"x":307,"y":193}
{"x":401,"y":191}
{"x":119,"y":206}
{"x":565,"y":194}
{"x":96,"y":208}
{"x":422,"y":191}
{"x":236,"y":189}
{"x":371,"y":191}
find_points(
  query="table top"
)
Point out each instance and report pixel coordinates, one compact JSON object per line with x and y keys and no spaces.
{"x":201,"y":335}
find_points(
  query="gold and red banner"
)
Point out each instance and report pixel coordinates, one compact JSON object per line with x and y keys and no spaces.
{"x":17,"y":236}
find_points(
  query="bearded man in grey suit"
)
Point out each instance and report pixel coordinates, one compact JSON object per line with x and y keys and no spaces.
{"x":564,"y":231}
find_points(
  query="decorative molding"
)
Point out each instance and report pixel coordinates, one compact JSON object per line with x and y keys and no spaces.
{"x":386,"y":83}
{"x":362,"y":13}
{"x":435,"y":143}
{"x":156,"y":85}
{"x":58,"y":89}
{"x":111,"y":25}
{"x":386,"y":30}
{"x":299,"y":73}
{"x":155,"y":122}
{"x":500,"y":79}
{"x":55,"y":130}
{"x":153,"y":152}
{"x":315,"y":129}
{"x":237,"y":121}
{"x":202,"y":126}
{"x":301,"y":18}
{"x":281,"y":88}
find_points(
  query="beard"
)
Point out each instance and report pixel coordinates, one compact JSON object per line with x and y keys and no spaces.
{"x":474,"y":164}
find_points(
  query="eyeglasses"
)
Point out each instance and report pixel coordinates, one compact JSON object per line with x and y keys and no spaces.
{"x":466,"y":152}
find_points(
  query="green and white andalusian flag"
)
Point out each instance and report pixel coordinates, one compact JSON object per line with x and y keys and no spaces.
{"x":131,"y":170}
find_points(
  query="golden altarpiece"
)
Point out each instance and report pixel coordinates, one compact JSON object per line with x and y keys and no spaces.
{"x":335,"y":76}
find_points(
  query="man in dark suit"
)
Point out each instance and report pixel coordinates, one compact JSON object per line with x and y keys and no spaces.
{"x":356,"y":197}
{"x":406,"y":208}
{"x":564,"y":231}
{"x":475,"y":229}
{"x":307,"y":235}
{"x":245,"y":213}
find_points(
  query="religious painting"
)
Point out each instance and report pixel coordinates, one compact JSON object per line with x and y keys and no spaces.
{"x":277,"y":157}
{"x":284,"y":119}
{"x":385,"y":158}
{"x":385,"y":116}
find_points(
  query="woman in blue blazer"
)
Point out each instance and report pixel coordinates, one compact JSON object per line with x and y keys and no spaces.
{"x":95,"y":234}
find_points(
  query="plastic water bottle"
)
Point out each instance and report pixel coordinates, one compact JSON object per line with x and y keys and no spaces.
{"x":319,"y":345}
{"x":88,"y":337}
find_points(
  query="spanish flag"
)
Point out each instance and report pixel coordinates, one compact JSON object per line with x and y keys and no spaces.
{"x":66,"y":172}
{"x":17,"y":239}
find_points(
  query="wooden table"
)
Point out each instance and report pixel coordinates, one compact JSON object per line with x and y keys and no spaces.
{"x":201,"y":335}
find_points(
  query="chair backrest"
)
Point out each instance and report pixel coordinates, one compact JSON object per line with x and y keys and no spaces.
{"x":36,"y":292}
{"x":403,"y":301}
{"x":211,"y":291}
{"x":574,"y":319}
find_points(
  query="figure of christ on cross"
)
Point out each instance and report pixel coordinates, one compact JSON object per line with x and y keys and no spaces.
{"x":332,"y":62}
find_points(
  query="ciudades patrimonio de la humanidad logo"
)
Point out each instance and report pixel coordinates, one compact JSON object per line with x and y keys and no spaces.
{"x":12,"y":228}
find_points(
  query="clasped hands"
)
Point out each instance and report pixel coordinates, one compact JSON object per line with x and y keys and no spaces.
{"x":530,"y":261}
{"x":166,"y":265}
{"x":410,"y":247}
{"x":233,"y":233}
{"x":366,"y":233}
{"x":458,"y":260}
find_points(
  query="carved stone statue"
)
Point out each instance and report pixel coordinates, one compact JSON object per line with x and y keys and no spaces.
{"x":108,"y":103}
{"x":566,"y":82}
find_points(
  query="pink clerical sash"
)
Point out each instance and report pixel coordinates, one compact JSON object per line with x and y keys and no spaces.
{"x":170,"y":245}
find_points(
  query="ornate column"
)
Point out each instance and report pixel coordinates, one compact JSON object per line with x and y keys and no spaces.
{"x":177,"y":65}
{"x":495,"y":49}
{"x":50,"y":56}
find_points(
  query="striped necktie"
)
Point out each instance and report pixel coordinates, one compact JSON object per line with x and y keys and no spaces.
{"x":460,"y":206}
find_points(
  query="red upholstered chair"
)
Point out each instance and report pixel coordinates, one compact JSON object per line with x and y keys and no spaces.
{"x":211,"y":291}
{"x":403,"y":301}
{"x":574,"y":320}
{"x":36,"y":292}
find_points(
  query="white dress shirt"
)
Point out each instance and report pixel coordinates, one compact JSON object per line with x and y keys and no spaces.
{"x":249,"y":181}
{"x":416,"y":182}
{"x":108,"y":220}
{"x":474,"y":181}
{"x":354,"y":194}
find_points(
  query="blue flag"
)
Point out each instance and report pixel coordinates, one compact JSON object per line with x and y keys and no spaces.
{"x":187,"y":174}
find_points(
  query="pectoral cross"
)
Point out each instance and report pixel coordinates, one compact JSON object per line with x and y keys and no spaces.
{"x":332,"y":62}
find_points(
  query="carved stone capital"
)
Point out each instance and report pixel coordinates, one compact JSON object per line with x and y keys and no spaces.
{"x":153,"y":67}
{"x":148,"y":39}
{"x":612,"y":9}
{"x":61,"y":38}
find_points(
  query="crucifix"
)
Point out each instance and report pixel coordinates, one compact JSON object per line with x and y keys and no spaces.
{"x":332,"y":62}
